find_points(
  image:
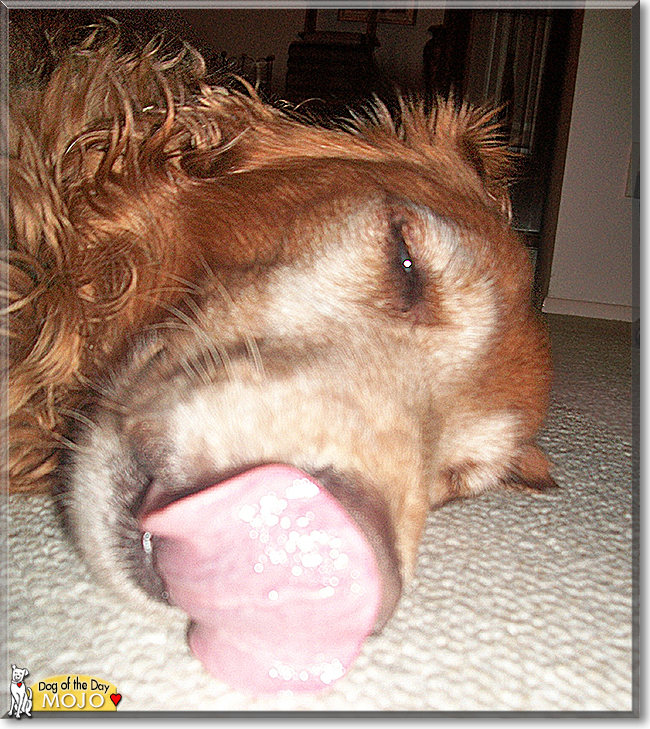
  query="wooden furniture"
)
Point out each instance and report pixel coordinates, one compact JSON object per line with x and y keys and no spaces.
{"x":332,"y":70}
{"x":257,"y":71}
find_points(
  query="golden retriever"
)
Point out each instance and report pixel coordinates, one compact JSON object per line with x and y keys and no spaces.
{"x":249,"y":353}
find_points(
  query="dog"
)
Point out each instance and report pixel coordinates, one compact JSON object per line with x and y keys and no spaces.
{"x":21,"y":695}
{"x":249,"y":353}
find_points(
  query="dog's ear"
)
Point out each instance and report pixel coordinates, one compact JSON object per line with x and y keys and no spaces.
{"x":530,"y":471}
{"x":479,"y":139}
{"x":474,"y":135}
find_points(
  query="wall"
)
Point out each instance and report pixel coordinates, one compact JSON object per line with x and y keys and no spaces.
{"x":258,"y":33}
{"x":592,"y":263}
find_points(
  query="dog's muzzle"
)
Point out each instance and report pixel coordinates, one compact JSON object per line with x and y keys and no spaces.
{"x":282,"y":580}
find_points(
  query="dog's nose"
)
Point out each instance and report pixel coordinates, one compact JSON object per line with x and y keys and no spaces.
{"x":282,"y":583}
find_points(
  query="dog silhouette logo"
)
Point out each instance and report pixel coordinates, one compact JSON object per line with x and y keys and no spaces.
{"x":21,"y":695}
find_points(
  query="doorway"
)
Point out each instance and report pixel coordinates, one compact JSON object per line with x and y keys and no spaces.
{"x":525,"y":60}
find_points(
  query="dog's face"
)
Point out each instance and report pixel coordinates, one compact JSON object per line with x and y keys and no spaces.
{"x":366,"y":339}
{"x":355,"y":344}
{"x":18,"y":674}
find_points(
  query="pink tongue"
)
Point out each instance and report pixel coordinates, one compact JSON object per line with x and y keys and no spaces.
{"x":280,"y":582}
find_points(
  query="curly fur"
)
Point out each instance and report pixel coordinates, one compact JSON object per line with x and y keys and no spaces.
{"x":95,"y":155}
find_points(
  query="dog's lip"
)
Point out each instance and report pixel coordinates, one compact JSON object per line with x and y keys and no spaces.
{"x":158,"y":494}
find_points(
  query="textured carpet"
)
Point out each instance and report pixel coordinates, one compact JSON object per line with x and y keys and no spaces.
{"x":519,"y":603}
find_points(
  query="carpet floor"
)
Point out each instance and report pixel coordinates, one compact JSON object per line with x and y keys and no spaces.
{"x":520,"y":602}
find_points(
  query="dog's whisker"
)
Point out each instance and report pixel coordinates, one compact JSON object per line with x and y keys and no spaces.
{"x":95,"y":387}
{"x":196,"y":371}
{"x":254,"y":352}
{"x":168,"y":325}
{"x":218,"y":356}
{"x":222,"y":290}
{"x":251,"y":344}
{"x":210,"y":273}
{"x":189,"y":287}
{"x":189,"y":370}
{"x":219,"y":353}
{"x":72,"y":445}
{"x":76,"y":415}
{"x":113,"y":405}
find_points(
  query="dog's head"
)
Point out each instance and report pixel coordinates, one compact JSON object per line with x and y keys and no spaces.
{"x":18,"y":674}
{"x":347,"y":339}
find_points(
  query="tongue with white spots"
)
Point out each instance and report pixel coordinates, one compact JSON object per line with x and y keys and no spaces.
{"x":281,"y":584}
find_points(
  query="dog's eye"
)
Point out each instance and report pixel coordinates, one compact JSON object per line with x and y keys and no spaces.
{"x":405,"y":258}
{"x":409,"y":281}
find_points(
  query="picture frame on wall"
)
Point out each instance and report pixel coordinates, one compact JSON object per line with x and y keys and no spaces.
{"x":402,"y":17}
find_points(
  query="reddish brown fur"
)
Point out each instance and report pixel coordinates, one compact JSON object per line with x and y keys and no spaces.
{"x":127,"y":176}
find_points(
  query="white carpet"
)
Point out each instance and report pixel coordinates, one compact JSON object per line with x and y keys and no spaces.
{"x":520,"y":602}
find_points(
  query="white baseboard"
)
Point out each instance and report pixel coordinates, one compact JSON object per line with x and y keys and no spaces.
{"x":592,"y":309}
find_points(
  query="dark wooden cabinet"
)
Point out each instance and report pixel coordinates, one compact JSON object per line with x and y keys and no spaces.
{"x":337,"y":68}
{"x":332,"y":71}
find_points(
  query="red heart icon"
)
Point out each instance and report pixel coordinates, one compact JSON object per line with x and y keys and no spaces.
{"x":116,"y":698}
{"x":19,"y":684}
